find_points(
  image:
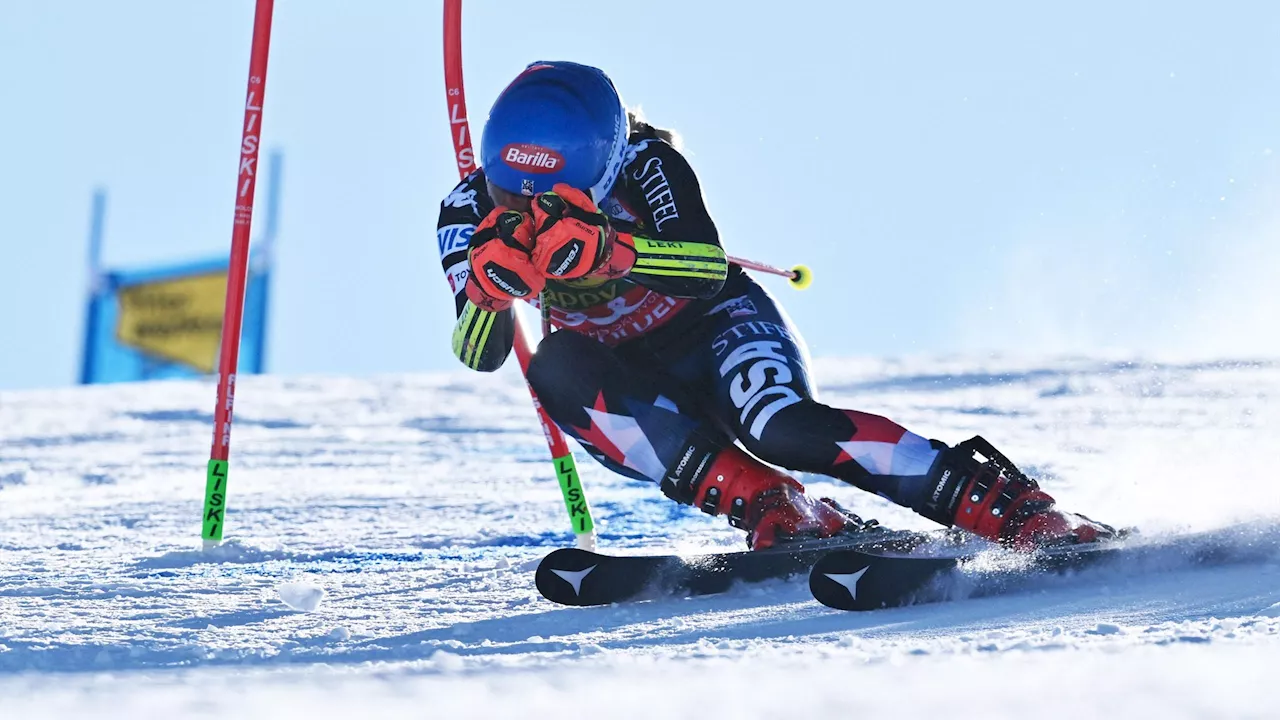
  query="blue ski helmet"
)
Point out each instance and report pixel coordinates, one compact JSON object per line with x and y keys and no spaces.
{"x":557,"y":122}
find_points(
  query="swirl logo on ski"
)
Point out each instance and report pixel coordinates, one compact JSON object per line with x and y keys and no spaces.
{"x":848,"y":580}
{"x":574,"y":577}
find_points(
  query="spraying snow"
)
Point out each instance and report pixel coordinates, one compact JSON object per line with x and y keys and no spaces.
{"x":416,"y":507}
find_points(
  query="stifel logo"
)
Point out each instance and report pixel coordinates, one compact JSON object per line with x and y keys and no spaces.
{"x":532,"y":158}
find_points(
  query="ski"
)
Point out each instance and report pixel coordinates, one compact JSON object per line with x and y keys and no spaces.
{"x":875,"y":578}
{"x":571,"y":576}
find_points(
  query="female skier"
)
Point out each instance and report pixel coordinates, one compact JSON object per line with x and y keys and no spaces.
{"x":667,"y":355}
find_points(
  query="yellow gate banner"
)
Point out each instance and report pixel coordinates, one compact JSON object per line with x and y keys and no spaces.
{"x":167,"y":322}
{"x":179,"y":320}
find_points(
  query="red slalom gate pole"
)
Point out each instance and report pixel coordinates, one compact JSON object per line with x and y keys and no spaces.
{"x":575,"y":499}
{"x":215,"y":503}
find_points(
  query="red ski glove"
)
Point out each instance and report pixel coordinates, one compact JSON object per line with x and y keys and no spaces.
{"x":574,"y":239}
{"x":500,"y":268}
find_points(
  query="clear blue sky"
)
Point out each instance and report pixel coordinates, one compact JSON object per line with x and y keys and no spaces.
{"x":984,"y":176}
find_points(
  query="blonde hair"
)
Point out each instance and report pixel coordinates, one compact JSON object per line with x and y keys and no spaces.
{"x":637,"y":124}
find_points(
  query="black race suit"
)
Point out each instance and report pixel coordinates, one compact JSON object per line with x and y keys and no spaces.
{"x":653,"y":373}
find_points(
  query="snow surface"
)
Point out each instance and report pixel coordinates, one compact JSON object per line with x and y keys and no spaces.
{"x":383,"y":532}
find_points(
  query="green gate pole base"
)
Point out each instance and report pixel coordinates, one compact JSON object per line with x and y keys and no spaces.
{"x":215,"y":503}
{"x":575,"y":501}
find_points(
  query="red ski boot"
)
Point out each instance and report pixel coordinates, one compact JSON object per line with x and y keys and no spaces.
{"x":769,"y":504}
{"x":995,"y":500}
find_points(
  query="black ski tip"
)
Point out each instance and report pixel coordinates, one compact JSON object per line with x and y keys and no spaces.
{"x":868,"y":580}
{"x":836,"y":581}
{"x":563,"y":574}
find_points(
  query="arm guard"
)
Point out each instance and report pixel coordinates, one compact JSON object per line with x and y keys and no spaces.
{"x":481,"y":339}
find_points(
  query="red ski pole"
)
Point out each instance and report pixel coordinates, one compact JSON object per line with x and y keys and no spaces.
{"x":215,"y":502}
{"x":575,"y":499}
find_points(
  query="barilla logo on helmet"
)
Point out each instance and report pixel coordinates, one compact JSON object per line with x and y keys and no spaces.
{"x":532,"y":158}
